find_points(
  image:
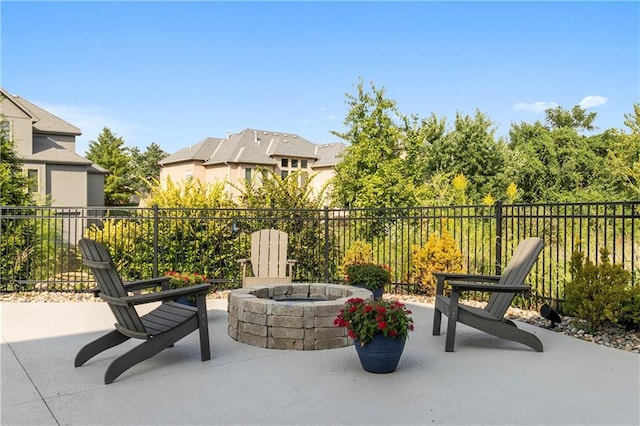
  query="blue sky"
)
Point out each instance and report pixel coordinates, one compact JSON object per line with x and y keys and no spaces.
{"x":175,"y":73}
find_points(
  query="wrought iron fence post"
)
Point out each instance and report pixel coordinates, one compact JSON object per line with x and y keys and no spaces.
{"x":155,"y":240}
{"x":326,"y":244}
{"x":498,"y":237}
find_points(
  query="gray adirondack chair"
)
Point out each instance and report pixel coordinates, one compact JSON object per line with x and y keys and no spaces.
{"x":503,"y":287}
{"x":160,"y":328}
{"x":269,"y":262}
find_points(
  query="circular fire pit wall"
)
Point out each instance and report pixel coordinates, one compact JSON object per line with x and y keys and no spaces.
{"x":291,"y":316}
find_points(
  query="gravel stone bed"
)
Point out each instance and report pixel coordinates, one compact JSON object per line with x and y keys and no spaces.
{"x":610,"y":335}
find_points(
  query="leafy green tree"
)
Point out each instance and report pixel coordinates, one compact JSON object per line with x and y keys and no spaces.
{"x":554,"y":163}
{"x":382,"y":165}
{"x":145,"y":166}
{"x":623,"y":158}
{"x":577,"y":118}
{"x":373,"y":137}
{"x":109,"y":152}
{"x":470,"y":149}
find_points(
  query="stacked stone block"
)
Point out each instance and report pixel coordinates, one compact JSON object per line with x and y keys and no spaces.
{"x":280,"y":317}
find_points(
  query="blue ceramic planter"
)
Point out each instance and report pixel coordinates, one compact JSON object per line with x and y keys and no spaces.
{"x":185,"y":301}
{"x":377,"y":293}
{"x":381,"y":355}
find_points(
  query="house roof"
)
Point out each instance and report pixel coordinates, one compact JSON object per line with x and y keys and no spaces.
{"x":200,"y":151}
{"x":328,"y":154}
{"x":43,"y":121}
{"x":48,"y":151}
{"x":97,"y":169}
{"x":252,"y":146}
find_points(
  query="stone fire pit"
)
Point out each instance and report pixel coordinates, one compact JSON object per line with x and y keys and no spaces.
{"x":291,"y":316}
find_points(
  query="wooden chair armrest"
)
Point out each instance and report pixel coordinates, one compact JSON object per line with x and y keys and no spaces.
{"x":466,"y":277}
{"x":441,"y":277}
{"x":498,"y":288}
{"x":148,"y":283}
{"x":158,"y":296}
{"x":243,"y":261}
{"x":292,"y":261}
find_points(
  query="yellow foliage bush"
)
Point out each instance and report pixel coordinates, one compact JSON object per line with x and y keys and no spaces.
{"x":358,"y":252}
{"x":439,"y":254}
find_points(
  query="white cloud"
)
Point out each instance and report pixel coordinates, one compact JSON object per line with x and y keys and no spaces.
{"x":593,"y":101}
{"x":535,"y":107}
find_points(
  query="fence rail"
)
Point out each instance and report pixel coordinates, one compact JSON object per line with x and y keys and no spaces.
{"x":38,"y":244}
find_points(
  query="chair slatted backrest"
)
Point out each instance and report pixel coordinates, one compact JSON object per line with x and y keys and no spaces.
{"x":97,"y":258}
{"x":269,"y":253}
{"x":523,"y":259}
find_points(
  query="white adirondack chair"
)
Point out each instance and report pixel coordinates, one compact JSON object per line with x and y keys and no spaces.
{"x":268,"y":261}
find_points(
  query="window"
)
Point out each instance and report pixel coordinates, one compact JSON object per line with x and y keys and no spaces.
{"x":303,"y":164}
{"x":284,"y":162}
{"x":294,"y":163}
{"x":188,"y":174}
{"x":32,"y":175}
{"x":284,"y":174}
{"x":247,"y":174}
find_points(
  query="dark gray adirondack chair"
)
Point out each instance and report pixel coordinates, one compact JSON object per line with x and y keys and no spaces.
{"x":504,"y":289}
{"x":160,"y":328}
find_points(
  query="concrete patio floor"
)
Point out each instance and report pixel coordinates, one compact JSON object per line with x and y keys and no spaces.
{"x":486,"y":381}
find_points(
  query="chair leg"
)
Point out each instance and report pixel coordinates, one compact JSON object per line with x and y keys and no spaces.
{"x":103,"y":343}
{"x":509,"y":331}
{"x":147,"y":349}
{"x":437,"y":320}
{"x":203,"y":327}
{"x":452,"y":321}
{"x":437,"y":314}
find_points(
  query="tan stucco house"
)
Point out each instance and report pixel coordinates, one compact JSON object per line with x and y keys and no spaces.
{"x":240,"y":156}
{"x":47,"y":146}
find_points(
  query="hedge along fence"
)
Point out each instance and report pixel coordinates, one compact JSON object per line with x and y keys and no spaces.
{"x":38,"y":244}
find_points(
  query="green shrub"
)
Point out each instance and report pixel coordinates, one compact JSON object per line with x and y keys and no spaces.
{"x":598,"y":292}
{"x":439,"y":254}
{"x":631,"y":309}
{"x":367,"y":275}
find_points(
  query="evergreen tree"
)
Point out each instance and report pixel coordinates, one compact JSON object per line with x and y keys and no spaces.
{"x":16,"y":236}
{"x":146,"y":167}
{"x":109,"y":152}
{"x":13,"y":181}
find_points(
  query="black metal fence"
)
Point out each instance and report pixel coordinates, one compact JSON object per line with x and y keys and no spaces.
{"x":38,"y":244}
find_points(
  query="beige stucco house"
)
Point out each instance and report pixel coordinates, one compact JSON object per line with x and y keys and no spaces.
{"x":241,"y":156}
{"x":47,"y":146}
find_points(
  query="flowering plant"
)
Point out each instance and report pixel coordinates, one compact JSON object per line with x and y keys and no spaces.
{"x":368,"y":275}
{"x":185,"y":279}
{"x":364,"y":319}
